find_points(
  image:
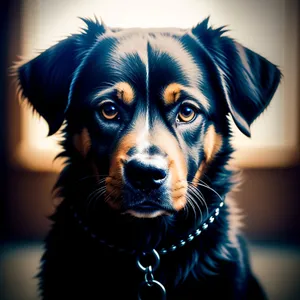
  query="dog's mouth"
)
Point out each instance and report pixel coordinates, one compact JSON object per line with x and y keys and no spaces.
{"x":149,"y":209}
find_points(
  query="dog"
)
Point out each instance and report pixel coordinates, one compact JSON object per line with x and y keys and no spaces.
{"x":146,"y":136}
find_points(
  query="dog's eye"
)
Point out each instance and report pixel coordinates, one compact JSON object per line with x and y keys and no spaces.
{"x":109,"y":111}
{"x":186,"y":113}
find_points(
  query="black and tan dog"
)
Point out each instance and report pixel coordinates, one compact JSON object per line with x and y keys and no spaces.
{"x":147,"y":142}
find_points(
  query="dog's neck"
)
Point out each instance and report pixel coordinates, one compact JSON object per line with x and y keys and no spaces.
{"x":179,"y":243}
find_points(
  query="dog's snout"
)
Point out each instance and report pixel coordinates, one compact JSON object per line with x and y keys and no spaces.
{"x":145,"y":175}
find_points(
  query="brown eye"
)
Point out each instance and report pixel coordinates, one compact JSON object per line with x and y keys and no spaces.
{"x":109,"y":111}
{"x":186,"y":113}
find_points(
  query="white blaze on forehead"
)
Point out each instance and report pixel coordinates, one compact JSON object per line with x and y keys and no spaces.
{"x":143,"y":135}
{"x":173,"y":47}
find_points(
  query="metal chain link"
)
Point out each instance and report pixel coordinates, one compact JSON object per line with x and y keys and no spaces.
{"x":149,"y":281}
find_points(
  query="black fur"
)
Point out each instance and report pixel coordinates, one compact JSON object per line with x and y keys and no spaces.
{"x":62,"y":84}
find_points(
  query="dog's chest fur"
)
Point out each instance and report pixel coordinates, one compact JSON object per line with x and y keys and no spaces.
{"x":84,"y":268}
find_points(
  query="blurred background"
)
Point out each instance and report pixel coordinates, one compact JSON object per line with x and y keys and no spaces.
{"x":270,"y":164}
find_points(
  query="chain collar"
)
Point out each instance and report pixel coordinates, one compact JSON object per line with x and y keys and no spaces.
{"x":210,"y":219}
{"x":150,"y":285}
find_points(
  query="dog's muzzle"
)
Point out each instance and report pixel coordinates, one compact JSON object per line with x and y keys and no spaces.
{"x":146,"y":186}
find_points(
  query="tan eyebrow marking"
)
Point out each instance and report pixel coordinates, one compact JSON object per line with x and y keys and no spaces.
{"x":172,"y":93}
{"x":125,"y":92}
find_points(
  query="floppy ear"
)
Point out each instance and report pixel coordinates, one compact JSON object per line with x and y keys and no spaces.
{"x":248,"y":80}
{"x":46,"y":79}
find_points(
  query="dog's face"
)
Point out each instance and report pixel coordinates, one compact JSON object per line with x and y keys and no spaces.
{"x":150,"y":106}
{"x":147,"y":109}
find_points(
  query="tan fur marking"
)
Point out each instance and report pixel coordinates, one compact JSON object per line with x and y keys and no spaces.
{"x":199,"y":173}
{"x":125,"y":92}
{"x":172,"y":93}
{"x":177,"y":165}
{"x":114,"y":181}
{"x":212,"y":143}
{"x":180,"y":202}
{"x":82,"y":142}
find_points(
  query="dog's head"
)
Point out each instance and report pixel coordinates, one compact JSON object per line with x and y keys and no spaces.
{"x":148,"y":108}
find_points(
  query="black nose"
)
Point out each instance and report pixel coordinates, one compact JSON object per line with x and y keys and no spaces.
{"x":144,"y":175}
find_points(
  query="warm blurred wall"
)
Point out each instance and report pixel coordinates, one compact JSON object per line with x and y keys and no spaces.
{"x":271,"y":203}
{"x":269,"y":197}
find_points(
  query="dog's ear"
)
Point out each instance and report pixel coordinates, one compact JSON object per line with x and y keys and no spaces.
{"x":45,"y":80}
{"x":248,"y":80}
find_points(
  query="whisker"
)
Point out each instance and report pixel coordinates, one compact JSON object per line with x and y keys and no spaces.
{"x":108,"y":197}
{"x":193,"y":193}
{"x":96,"y":194}
{"x":100,"y":190}
{"x":199,"y":196}
{"x":194,"y":205}
{"x":191,"y":204}
{"x":91,"y":176}
{"x":205,"y":185}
